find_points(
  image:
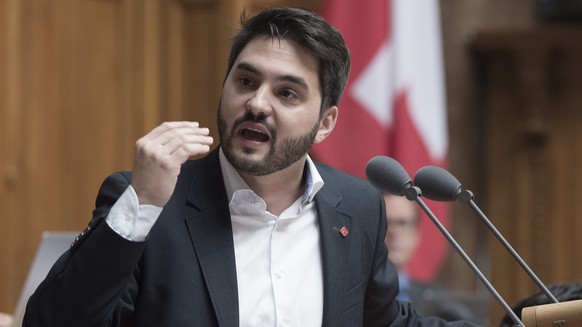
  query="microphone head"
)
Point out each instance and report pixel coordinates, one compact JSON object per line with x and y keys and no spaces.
{"x":387,"y":175}
{"x":437,"y":184}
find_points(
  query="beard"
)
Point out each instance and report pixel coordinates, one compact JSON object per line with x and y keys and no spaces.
{"x":281,"y":155}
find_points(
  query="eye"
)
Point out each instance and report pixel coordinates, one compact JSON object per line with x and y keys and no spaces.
{"x":245,"y":81}
{"x":288,"y":94}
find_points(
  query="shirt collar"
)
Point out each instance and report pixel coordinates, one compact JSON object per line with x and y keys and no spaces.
{"x":233,"y":182}
{"x":314,"y":181}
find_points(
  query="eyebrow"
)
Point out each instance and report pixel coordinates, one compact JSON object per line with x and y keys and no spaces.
{"x":300,"y":81}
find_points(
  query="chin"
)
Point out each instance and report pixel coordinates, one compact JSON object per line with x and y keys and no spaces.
{"x":248,"y":156}
{"x":246,"y":153}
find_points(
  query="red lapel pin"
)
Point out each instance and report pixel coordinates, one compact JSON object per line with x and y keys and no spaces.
{"x":344,"y":231}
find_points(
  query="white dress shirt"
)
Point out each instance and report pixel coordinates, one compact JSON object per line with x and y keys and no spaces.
{"x":278,"y":259}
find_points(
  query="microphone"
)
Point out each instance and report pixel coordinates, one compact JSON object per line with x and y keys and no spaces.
{"x":438,"y":184}
{"x":387,"y":175}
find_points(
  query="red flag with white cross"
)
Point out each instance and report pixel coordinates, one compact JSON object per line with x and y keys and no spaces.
{"x":394,"y":103}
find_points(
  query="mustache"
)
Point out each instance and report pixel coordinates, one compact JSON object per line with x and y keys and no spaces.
{"x":249,"y":116}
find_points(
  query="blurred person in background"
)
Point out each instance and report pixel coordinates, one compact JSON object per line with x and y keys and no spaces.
{"x":402,"y":239}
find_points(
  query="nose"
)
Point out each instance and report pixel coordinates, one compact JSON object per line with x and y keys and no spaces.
{"x":259,"y":104}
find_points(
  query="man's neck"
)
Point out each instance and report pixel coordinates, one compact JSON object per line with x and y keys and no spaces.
{"x":279,"y":189}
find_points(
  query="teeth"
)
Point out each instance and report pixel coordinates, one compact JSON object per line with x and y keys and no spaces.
{"x":255,"y":130}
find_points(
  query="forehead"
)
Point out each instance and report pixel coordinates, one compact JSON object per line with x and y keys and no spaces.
{"x":399,"y":207}
{"x":280,"y":56}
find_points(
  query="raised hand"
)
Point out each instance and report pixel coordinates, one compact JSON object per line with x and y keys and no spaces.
{"x":159,"y":156}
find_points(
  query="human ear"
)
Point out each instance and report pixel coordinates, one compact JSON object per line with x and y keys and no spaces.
{"x":326,"y":124}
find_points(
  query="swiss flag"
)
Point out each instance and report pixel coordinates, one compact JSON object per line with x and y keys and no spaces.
{"x":394,"y":103}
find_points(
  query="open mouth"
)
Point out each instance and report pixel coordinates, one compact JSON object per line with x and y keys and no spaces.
{"x":254,"y":135}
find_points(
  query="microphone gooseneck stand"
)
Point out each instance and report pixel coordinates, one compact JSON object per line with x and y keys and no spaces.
{"x":466,"y":197}
{"x":440,"y":185}
{"x":414,"y":194}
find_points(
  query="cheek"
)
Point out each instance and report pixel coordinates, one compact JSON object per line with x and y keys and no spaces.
{"x":296,"y":124}
{"x":231,"y":107}
{"x":230,"y":96}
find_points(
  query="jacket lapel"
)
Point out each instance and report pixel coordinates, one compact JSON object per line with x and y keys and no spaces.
{"x":211,"y":234}
{"x":335,"y":248}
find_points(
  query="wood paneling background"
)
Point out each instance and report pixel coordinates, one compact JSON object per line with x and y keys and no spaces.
{"x":82,"y":80}
{"x":531,"y":82}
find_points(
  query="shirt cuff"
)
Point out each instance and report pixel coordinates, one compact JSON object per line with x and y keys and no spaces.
{"x":131,"y":220}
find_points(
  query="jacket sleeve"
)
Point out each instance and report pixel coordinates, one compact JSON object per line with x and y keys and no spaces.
{"x":94,"y":283}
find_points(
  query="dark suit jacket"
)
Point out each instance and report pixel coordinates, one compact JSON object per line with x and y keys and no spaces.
{"x":184,"y":273}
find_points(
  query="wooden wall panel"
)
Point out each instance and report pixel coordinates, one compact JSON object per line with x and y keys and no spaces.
{"x":8,"y":154}
{"x":201,"y":78}
{"x":59,"y":133}
{"x":532,"y":81}
{"x":30,"y":123}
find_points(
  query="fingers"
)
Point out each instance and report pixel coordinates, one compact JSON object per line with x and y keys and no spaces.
{"x":164,"y":127}
{"x":178,"y":139}
{"x":188,"y":145}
